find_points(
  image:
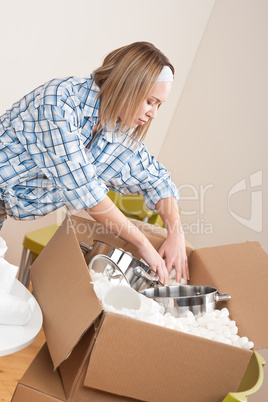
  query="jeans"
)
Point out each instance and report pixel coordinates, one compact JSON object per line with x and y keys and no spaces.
{"x":3,"y":214}
{"x":2,"y":221}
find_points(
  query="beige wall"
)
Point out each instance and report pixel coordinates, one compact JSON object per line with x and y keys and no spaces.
{"x":217,"y":135}
{"x":216,"y":147}
{"x":55,"y":38}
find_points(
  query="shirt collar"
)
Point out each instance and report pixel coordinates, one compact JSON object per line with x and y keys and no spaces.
{"x":119,"y":137}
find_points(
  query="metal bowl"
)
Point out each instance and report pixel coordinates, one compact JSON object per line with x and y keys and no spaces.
{"x":180,"y":298}
{"x":139,"y":275}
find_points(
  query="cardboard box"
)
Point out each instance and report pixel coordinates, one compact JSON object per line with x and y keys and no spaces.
{"x":40,"y":383}
{"x":110,"y":357}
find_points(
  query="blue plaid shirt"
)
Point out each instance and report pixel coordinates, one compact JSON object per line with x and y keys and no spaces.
{"x":47,"y":159}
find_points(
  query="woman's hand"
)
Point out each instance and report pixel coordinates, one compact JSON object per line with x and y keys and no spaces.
{"x":112,"y":218}
{"x":154,"y":260}
{"x":174,"y":251}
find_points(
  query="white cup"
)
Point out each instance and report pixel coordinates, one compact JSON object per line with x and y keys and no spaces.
{"x":122,"y":296}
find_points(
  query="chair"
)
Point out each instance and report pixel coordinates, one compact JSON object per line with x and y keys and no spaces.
{"x":33,"y":244}
{"x":251,"y":382}
{"x":133,"y":206}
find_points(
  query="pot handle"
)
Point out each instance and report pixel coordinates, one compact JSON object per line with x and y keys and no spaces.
{"x":85,"y":247}
{"x":221,"y":296}
{"x":142,"y":274}
{"x":109,"y":272}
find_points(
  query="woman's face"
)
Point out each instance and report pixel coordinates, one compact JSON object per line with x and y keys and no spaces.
{"x":148,"y":108}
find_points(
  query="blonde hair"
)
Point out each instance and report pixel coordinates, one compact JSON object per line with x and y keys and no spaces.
{"x":125,"y":78}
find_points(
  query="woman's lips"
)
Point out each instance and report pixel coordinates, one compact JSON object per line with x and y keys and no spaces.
{"x":141,"y":122}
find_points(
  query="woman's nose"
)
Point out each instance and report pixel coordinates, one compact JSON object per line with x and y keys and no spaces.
{"x":152,"y":112}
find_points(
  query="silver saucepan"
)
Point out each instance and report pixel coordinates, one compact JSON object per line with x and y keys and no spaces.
{"x":139,"y":275}
{"x":180,"y":298}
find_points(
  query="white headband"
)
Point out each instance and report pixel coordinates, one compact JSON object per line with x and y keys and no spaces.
{"x":166,"y":75}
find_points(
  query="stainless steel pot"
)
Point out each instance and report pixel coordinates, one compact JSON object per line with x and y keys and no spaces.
{"x":178,"y":299}
{"x":139,"y":275}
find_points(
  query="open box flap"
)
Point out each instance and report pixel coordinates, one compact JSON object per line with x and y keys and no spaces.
{"x":40,"y":382}
{"x":71,"y":368}
{"x":62,"y":287}
{"x":240,"y":270}
{"x":164,"y":359}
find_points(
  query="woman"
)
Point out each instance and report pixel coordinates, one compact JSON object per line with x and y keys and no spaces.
{"x":71,"y":140}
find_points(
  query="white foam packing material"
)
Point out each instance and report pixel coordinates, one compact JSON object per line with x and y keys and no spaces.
{"x":8,"y":271}
{"x":215,"y":325}
{"x":13,"y":310}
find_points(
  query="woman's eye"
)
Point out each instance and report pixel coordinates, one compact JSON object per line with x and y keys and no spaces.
{"x":149,"y":103}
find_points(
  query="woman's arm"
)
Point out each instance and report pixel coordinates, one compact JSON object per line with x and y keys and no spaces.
{"x":112,"y":218}
{"x":173,"y":249}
